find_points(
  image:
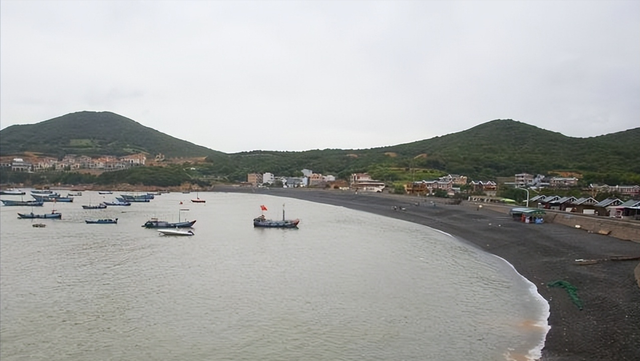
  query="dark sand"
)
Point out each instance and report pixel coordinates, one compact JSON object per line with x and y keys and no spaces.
{"x":607,"y":327}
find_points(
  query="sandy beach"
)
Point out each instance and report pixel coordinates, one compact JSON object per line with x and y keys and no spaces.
{"x":603,"y":323}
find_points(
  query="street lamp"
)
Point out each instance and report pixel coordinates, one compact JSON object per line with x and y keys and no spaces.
{"x":526,"y":190}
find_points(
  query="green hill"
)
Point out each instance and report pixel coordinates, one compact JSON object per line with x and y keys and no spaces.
{"x":92,"y":134}
{"x":499,"y":148}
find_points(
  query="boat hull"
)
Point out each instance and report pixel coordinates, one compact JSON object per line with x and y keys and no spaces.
{"x":34,"y":216}
{"x":100,"y":206}
{"x":164,"y":224}
{"x":268,"y":223}
{"x":22,"y":203}
{"x":102,"y":221}
{"x":175,"y":232}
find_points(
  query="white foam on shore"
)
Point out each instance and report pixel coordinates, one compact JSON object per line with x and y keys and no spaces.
{"x":542,"y":323}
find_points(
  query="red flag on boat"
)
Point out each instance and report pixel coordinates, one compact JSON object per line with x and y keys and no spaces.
{"x":263,"y":207}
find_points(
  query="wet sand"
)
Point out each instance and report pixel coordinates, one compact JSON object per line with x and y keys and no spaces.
{"x":607,"y":327}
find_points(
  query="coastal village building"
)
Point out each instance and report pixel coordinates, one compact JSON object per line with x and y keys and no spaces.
{"x":19,"y":165}
{"x":562,"y":182}
{"x":363,"y":182}
{"x":254,"y":179}
{"x":489,"y":188}
{"x":268,"y":178}
{"x":425,"y":187}
{"x":523,"y":180}
{"x":457,"y":180}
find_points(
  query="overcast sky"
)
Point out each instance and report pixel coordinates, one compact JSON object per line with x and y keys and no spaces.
{"x":297,"y":75}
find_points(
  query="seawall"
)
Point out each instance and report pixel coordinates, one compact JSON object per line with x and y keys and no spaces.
{"x":613,"y":227}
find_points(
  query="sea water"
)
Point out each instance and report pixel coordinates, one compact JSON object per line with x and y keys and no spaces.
{"x":346,"y":285}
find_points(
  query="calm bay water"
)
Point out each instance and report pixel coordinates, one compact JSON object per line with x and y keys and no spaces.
{"x":346,"y":285}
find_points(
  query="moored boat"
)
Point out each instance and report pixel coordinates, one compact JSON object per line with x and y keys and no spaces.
{"x":136,"y":198}
{"x":263,"y":222}
{"x":53,"y":197}
{"x":175,"y":232}
{"x":198,"y":199}
{"x":117,"y":203}
{"x":97,"y":206}
{"x":12,"y":192}
{"x":31,"y":203}
{"x":155,"y":223}
{"x":31,"y":215}
{"x":102,"y":221}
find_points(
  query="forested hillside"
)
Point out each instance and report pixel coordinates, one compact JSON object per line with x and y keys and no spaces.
{"x":499,"y":148}
{"x":94,"y":134}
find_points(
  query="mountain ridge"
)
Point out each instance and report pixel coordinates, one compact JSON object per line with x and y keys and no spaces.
{"x":500,"y":147}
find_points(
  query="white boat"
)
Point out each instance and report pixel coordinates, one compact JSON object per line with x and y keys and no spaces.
{"x":175,"y":232}
{"x":13,"y":192}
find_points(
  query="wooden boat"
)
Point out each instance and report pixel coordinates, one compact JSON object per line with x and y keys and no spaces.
{"x":102,"y":221}
{"x":97,"y":206}
{"x":263,"y":222}
{"x":52,"y":215}
{"x":38,"y":225}
{"x":32,"y":203}
{"x":155,"y":223}
{"x":175,"y":232}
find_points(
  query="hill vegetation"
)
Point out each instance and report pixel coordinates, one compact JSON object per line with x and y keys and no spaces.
{"x":94,"y":134}
{"x":499,"y":148}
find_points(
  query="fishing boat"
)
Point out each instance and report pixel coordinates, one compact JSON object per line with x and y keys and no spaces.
{"x":31,"y":203}
{"x":117,"y":203}
{"x":97,"y":206}
{"x":155,"y":223}
{"x":105,"y":192}
{"x":31,"y":215}
{"x":51,"y":197}
{"x":102,"y":221}
{"x":263,"y":222}
{"x":175,"y":232}
{"x":136,"y":198}
{"x":12,"y":192}
{"x":42,"y":191}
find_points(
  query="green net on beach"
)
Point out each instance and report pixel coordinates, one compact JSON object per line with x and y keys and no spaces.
{"x":571,"y":290}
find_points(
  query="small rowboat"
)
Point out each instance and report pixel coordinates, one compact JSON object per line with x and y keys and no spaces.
{"x":175,"y":232}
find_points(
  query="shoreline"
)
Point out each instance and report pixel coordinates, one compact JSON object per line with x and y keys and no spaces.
{"x":606,"y":328}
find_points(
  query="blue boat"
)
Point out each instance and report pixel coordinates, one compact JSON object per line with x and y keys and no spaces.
{"x":7,"y":202}
{"x":102,"y":221}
